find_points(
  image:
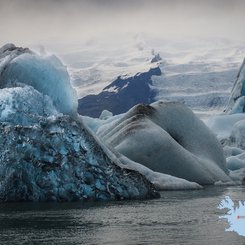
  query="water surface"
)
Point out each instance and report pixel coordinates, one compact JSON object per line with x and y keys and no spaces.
{"x":179,"y":217}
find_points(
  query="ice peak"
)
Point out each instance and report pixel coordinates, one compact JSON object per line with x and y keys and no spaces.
{"x":46,"y":74}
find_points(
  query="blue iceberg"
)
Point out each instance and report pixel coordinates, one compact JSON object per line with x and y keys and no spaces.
{"x":47,"y":154}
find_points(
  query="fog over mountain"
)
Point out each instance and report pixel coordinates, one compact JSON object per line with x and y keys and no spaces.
{"x":29,"y":22}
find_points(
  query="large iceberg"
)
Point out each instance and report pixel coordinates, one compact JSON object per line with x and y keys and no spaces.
{"x":59,"y":160}
{"x":46,"y":152}
{"x":167,"y":137}
{"x":44,"y":73}
{"x":236,"y":102}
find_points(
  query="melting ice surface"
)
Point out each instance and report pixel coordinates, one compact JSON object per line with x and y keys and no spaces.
{"x":235,"y":215}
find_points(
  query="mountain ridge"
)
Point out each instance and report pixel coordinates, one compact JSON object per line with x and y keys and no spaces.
{"x":127,"y":91}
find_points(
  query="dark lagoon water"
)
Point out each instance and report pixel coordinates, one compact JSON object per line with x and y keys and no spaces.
{"x":179,"y":217}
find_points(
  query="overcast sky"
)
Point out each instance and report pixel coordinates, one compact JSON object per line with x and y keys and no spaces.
{"x":27,"y":22}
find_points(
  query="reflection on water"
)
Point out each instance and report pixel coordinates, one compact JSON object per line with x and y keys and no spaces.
{"x":179,"y":217}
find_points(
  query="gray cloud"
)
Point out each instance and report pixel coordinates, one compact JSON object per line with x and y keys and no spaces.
{"x":34,"y":21}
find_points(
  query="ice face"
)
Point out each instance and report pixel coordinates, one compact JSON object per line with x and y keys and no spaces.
{"x":44,"y":73}
{"x":24,"y":105}
{"x":168,"y":138}
{"x":236,"y":102}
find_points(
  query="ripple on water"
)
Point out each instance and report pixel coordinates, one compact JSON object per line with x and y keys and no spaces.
{"x":179,"y":217}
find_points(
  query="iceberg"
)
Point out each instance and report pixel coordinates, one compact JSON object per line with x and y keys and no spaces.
{"x":47,"y":154}
{"x":59,"y":160}
{"x":23,"y":105}
{"x":168,"y":138}
{"x":236,"y":102}
{"x":222,"y":125}
{"x":105,"y":115}
{"x":44,"y":73}
{"x":229,"y":127}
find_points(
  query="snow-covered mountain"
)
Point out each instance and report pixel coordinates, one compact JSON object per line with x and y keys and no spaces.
{"x":200,"y":74}
{"x":121,"y":95}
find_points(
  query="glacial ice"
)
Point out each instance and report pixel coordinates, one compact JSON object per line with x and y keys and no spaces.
{"x":238,"y":134}
{"x":160,"y":180}
{"x":58,"y":160}
{"x":46,"y":155}
{"x":236,"y":102}
{"x":235,"y":162}
{"x":238,"y":106}
{"x":168,"y":138}
{"x":44,"y":73}
{"x":105,"y":114}
{"x":232,"y":151}
{"x":23,"y":105}
{"x":230,"y":129}
{"x":222,"y":125}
